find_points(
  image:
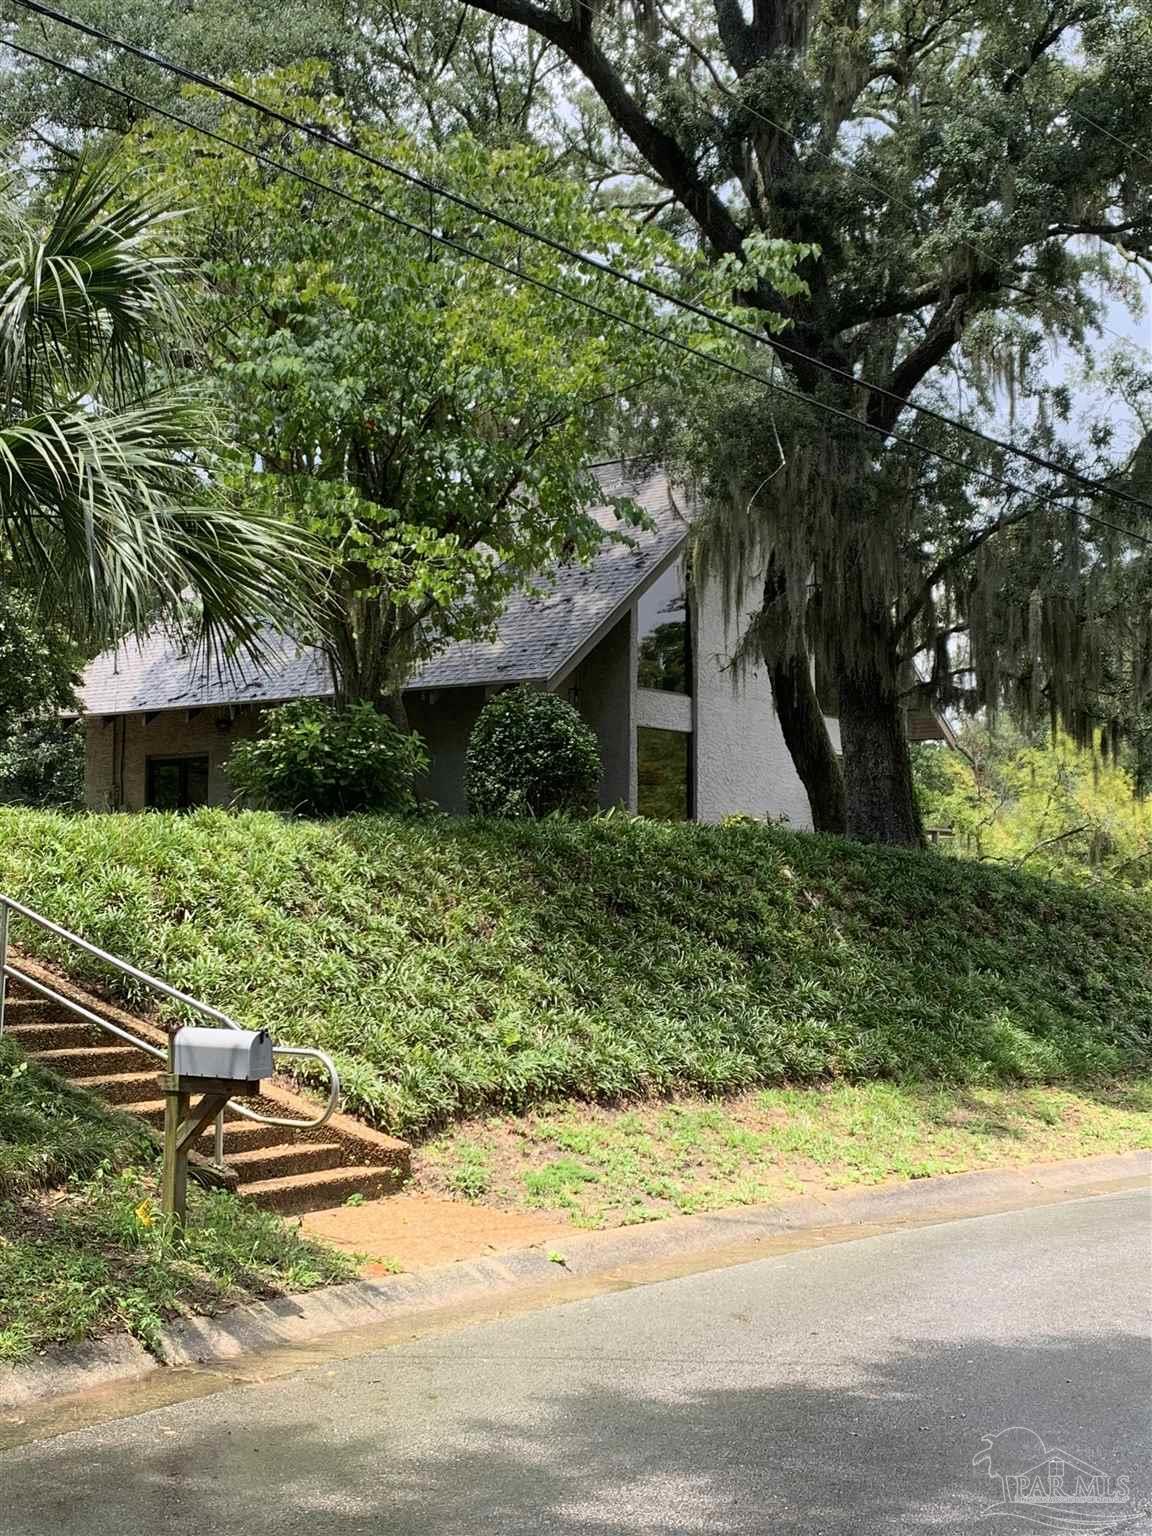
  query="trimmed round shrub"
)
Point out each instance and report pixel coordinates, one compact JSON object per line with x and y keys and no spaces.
{"x":313,"y":759}
{"x":530,"y":754}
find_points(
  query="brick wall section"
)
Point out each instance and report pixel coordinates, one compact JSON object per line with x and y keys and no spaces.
{"x":118,"y":749}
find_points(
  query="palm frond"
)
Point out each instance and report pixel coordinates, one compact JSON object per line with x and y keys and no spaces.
{"x":114,"y":510}
{"x":84,"y":300}
{"x":107,"y":498}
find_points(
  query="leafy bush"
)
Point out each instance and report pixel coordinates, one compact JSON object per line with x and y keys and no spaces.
{"x":316,"y":760}
{"x":531,"y":754}
{"x":42,"y":763}
{"x":464,"y":966}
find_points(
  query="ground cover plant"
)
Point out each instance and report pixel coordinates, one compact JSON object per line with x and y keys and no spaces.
{"x":83,"y":1247}
{"x":458,"y":968}
{"x":612,"y":1167}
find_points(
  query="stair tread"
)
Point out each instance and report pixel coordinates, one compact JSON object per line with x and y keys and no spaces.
{"x":46,"y":1027}
{"x":57,"y":1053}
{"x":233,"y":1129}
{"x":123,"y":1077}
{"x":318,"y":1178}
{"x":287,"y":1149}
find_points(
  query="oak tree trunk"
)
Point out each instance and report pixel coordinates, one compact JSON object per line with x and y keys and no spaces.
{"x":809,"y":745}
{"x":879,"y":795}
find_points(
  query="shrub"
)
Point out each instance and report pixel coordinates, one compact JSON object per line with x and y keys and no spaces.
{"x":531,"y":754}
{"x":316,"y":760}
{"x":42,"y":763}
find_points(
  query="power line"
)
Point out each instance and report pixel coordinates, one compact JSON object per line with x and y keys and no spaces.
{"x":1099,"y":127}
{"x":412,"y":178}
{"x":519,"y":276}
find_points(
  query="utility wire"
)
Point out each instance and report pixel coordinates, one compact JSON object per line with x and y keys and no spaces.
{"x":518,"y":275}
{"x":605,"y":269}
{"x":1092,"y":123}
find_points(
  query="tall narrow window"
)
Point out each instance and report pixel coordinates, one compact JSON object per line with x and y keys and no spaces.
{"x":664,"y":774}
{"x":663,"y":633}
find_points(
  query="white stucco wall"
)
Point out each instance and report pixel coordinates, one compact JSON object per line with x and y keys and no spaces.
{"x":742,"y":764}
{"x":663,"y":711}
{"x":603,"y":688}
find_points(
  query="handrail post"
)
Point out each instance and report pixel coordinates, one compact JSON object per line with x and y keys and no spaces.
{"x":218,"y":1149}
{"x":3,"y":961}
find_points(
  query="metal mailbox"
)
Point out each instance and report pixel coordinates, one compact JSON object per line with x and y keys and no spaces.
{"x":232,"y":1055}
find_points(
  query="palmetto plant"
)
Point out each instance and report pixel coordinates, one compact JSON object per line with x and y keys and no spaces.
{"x":107,"y":499}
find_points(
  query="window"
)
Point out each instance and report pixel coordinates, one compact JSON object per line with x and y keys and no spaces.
{"x":176,"y":783}
{"x":663,"y":633}
{"x":664,"y":774}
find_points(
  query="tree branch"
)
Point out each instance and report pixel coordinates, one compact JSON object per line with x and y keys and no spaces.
{"x":736,"y":35}
{"x":949,"y":562}
{"x":664,"y":153}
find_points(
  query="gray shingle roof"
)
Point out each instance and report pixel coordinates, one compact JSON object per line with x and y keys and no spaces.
{"x":541,"y":633}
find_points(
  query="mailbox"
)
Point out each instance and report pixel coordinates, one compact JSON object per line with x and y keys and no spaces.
{"x":232,"y":1055}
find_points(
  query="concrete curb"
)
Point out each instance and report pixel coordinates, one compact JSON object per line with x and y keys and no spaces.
{"x":65,"y":1369}
{"x":731,"y":1236}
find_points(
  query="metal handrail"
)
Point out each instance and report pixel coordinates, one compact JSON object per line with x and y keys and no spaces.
{"x":9,"y":906}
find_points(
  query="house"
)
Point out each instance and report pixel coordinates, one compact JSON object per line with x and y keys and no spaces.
{"x":681,"y":736}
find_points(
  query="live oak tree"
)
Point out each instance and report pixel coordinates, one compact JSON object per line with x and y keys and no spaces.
{"x":428,"y":418}
{"x":963,"y":167}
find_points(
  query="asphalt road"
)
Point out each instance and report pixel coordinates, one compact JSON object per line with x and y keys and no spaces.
{"x":845,"y":1389}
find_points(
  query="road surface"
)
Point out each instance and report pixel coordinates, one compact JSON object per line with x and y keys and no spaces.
{"x":837,"y":1390}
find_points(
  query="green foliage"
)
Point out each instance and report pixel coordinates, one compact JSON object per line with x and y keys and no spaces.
{"x":38,"y":659}
{"x":97,"y":1259}
{"x":390,"y":62}
{"x":50,"y":1132}
{"x":312,"y":759}
{"x":1050,"y":805}
{"x":105,"y":503}
{"x":461,"y":966}
{"x":426,"y":417}
{"x":663,"y":659}
{"x":42,"y":763}
{"x":616,"y":1166}
{"x":531,"y":754}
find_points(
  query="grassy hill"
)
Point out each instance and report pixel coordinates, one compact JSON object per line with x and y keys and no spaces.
{"x":460,"y":967}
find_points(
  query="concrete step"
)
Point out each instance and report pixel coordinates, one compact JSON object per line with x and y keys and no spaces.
{"x":241,"y":1135}
{"x":33,"y":1010}
{"x":259,"y":1164}
{"x":125,"y":1088}
{"x":246,"y":1136}
{"x":150,"y":1110}
{"x":82,"y":1062}
{"x":57,"y":1036}
{"x":319,"y":1191}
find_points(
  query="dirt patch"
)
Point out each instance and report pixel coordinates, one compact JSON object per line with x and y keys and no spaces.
{"x":412,"y":1232}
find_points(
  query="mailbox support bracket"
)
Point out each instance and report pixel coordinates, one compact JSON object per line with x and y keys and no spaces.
{"x":183,"y":1125}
